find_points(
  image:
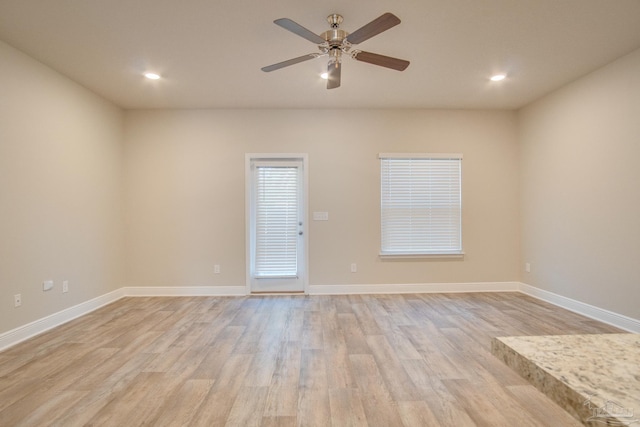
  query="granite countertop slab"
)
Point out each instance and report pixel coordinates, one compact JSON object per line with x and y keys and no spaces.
{"x":595,"y":377}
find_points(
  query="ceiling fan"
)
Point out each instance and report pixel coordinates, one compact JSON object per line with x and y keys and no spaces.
{"x":336,"y":42}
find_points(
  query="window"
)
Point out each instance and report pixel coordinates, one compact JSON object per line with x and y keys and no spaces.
{"x":421,"y":204}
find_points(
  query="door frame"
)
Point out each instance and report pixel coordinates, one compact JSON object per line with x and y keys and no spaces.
{"x":301,"y":157}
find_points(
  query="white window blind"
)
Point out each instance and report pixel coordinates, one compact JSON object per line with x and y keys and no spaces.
{"x":276,"y":192}
{"x":421,"y":204}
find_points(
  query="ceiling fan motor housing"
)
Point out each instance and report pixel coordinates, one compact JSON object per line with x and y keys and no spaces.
{"x":335,"y":37}
{"x":335,"y":41}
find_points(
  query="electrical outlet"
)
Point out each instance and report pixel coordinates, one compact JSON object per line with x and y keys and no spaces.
{"x":65,"y":286}
{"x":527,"y":267}
{"x":17,"y":300}
{"x":216,"y":269}
{"x":354,"y":267}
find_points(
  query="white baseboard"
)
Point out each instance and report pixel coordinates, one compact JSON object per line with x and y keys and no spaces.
{"x":185,"y":291}
{"x":593,"y":312}
{"x":32,"y":329}
{"x":39,"y":326}
{"x":417,"y":288}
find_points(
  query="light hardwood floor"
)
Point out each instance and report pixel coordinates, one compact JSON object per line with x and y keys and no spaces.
{"x":376,"y":360}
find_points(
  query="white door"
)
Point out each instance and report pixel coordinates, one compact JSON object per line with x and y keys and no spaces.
{"x":276,"y":225}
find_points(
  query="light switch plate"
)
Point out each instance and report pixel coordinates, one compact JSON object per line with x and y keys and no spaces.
{"x":321,"y":216}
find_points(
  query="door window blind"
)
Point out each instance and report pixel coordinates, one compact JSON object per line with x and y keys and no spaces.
{"x":421,"y":204}
{"x":276,"y":192}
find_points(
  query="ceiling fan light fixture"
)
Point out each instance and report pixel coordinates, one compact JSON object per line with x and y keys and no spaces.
{"x":336,"y":41}
{"x":152,"y":76}
{"x":498,"y":77}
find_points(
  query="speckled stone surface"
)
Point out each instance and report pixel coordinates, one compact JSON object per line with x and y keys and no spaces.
{"x":596,"y":378}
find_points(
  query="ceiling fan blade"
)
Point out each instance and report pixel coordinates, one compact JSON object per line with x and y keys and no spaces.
{"x":333,"y":74}
{"x":298,"y":29}
{"x":378,"y":25}
{"x":289,"y":62}
{"x":381,"y":60}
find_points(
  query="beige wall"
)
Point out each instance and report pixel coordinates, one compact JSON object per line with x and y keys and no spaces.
{"x":185,"y":191}
{"x":61,"y":204}
{"x":580,"y":153}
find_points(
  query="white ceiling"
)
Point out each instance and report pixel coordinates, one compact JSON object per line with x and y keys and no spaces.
{"x":210,"y":51}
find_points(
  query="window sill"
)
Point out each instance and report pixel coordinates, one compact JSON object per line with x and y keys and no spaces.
{"x":399,"y":257}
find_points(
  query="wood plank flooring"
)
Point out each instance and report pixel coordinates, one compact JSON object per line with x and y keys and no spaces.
{"x":357,"y":360}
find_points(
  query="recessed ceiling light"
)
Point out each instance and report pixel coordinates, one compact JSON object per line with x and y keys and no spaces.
{"x":325,"y":76}
{"x":498,"y":77}
{"x":152,"y":76}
